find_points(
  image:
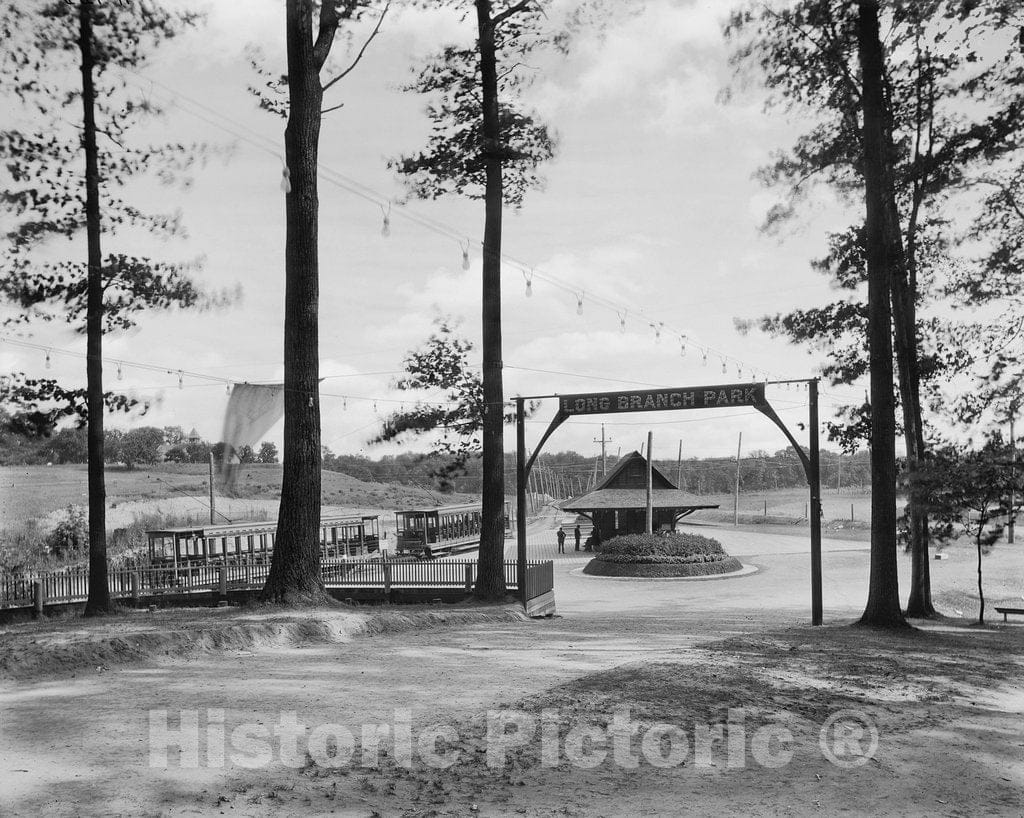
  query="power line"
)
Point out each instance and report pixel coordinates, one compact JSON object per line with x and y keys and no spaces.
{"x":529,"y":272}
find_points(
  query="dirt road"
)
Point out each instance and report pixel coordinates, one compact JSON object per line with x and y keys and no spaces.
{"x":83,"y":745}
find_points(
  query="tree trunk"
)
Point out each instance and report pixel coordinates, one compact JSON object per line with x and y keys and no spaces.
{"x":98,"y":601}
{"x":981,"y":592}
{"x":490,"y":583}
{"x":883,"y":605}
{"x":295,"y":570}
{"x":905,"y":333}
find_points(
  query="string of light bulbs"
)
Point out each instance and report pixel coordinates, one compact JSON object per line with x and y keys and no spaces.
{"x":530,"y":273}
{"x":213,"y":380}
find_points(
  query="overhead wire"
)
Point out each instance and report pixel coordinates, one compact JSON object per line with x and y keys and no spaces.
{"x":353,"y":186}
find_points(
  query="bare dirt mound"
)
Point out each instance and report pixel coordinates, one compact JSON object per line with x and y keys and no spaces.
{"x":68,"y":648}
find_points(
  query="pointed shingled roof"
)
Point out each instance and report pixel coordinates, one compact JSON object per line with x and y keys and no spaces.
{"x":631,"y":473}
{"x":625,"y":486}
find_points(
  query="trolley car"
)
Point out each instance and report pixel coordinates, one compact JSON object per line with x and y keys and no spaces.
{"x":254,"y":542}
{"x":431,"y":532}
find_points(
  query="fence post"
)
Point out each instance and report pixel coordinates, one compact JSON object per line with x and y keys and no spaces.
{"x":37,"y":598}
{"x":851,"y":512}
{"x":469,"y":577}
{"x":223,"y":582}
{"x":387,"y":579}
{"x":136,"y":586}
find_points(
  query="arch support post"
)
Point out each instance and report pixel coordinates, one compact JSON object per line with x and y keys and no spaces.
{"x":522,"y":473}
{"x":814,"y":479}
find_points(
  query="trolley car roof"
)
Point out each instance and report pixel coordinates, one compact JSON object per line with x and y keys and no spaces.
{"x":236,"y":529}
{"x":444,"y":509}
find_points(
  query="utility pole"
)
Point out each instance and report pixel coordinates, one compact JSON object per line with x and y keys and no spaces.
{"x":1011,"y":523}
{"x":649,"y":525}
{"x":839,"y":473}
{"x":736,"y":496}
{"x":604,"y":459}
{"x":211,"y":488}
{"x":679,"y":466}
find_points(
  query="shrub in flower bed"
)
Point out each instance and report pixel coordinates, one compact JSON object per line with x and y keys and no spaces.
{"x":661,"y":555}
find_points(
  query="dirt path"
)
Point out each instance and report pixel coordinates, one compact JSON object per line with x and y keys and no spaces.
{"x":947,"y":707}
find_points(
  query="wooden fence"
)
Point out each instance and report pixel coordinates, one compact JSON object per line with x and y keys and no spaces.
{"x":72,"y":585}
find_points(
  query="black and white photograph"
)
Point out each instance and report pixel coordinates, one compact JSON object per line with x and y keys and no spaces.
{"x":430,"y":408}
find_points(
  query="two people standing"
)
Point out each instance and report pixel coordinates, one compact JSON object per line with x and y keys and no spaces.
{"x":561,"y":539}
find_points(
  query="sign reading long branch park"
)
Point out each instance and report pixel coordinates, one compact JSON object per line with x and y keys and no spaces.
{"x":718,"y":396}
{"x":652,"y":400}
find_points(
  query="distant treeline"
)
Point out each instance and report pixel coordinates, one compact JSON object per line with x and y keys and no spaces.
{"x":141,"y":446}
{"x":564,"y":473}
{"x":556,"y":473}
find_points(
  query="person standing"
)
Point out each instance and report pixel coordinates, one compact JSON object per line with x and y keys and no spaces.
{"x":561,"y":541}
{"x":576,"y":533}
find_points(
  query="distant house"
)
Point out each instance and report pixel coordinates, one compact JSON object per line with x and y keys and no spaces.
{"x":193,"y":436}
{"x":618,"y":505}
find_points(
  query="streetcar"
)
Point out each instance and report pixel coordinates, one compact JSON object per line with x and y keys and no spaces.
{"x":430,"y":532}
{"x":215,"y":544}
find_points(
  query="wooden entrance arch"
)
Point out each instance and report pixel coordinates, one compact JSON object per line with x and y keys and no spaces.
{"x":680,"y":398}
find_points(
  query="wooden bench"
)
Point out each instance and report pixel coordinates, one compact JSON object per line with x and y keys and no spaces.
{"x":1005,"y":611}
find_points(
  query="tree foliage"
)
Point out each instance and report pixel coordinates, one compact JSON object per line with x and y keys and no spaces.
{"x":952,"y":98}
{"x":970,"y":493}
{"x":484,"y":146}
{"x":454,"y":160}
{"x":48,"y":198}
{"x":44,"y":189}
{"x":953,"y":82}
{"x":441,"y":367}
{"x":40,"y":404}
{"x":267,"y":453}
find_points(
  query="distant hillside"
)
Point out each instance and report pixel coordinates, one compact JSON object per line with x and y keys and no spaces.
{"x":29,"y":492}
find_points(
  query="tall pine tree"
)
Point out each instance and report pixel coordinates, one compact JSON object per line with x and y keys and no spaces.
{"x":483,"y":146}
{"x":66,"y":163}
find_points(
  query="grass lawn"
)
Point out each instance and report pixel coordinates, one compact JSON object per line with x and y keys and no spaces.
{"x":28,"y":492}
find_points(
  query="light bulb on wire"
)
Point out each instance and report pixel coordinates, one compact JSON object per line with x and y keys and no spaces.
{"x":723,"y":366}
{"x":385,"y":229}
{"x":529,"y":283}
{"x":47,"y":359}
{"x":622,"y":320}
{"x":465,"y":256}
{"x":181,"y":380}
{"x":120,"y":372}
{"x":704,"y":357}
{"x":579,"y":303}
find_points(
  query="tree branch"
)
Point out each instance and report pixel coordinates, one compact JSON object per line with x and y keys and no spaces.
{"x":328,"y":27}
{"x":851,"y":82}
{"x":359,"y":56}
{"x":332,"y":108}
{"x":498,"y":19}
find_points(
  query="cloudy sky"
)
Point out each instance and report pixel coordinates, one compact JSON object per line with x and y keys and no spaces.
{"x":649,"y":214}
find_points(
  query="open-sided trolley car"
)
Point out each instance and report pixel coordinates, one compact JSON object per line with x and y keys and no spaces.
{"x":254,"y":542}
{"x":431,"y":532}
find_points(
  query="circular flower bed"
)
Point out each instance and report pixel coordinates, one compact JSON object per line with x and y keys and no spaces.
{"x":661,"y":555}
